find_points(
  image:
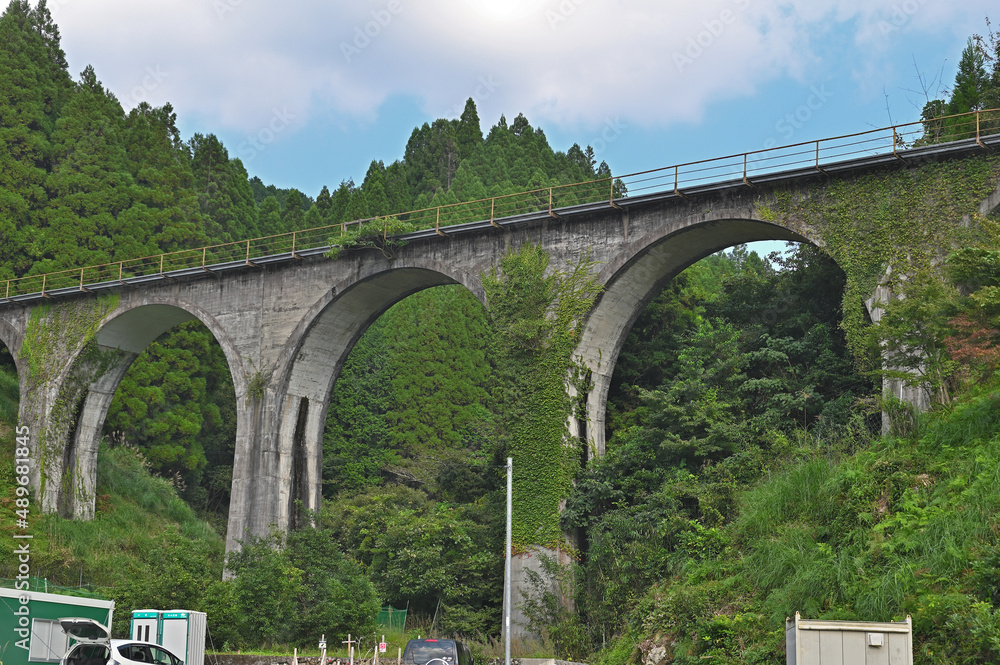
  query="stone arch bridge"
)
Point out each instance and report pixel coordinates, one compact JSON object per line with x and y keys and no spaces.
{"x":287,"y":321}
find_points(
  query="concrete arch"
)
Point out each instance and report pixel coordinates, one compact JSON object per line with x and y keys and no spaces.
{"x":632,"y":280}
{"x":123,"y":335}
{"x":133,"y":327}
{"x":343,"y":314}
{"x":287,"y":471}
{"x":11,"y":339}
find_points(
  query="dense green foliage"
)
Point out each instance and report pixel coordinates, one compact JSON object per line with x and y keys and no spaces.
{"x":439,"y":559}
{"x":391,"y":421}
{"x":743,"y":481}
{"x":86,"y":182}
{"x":177,"y":400}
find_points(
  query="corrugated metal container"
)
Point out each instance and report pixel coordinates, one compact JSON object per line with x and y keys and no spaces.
{"x":183,"y":633}
{"x":810,"y":642}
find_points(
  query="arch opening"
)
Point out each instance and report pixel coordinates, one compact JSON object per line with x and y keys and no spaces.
{"x":402,"y":387}
{"x":632,"y":281}
{"x":10,"y":394}
{"x":159,"y":383}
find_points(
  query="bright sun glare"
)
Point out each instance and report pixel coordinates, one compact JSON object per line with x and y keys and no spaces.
{"x":507,"y":10}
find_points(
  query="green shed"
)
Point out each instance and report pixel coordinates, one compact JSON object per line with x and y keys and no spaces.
{"x":29,"y":624}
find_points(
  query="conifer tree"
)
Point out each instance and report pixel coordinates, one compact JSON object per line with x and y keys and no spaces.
{"x":468,"y":134}
{"x":166,"y":204}
{"x":90,"y":185}
{"x":32,"y":86}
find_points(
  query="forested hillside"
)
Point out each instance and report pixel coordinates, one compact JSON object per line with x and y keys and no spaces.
{"x":746,"y":474}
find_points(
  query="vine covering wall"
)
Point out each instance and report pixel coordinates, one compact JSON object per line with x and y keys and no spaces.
{"x":890,"y":221}
{"x":536,"y":316}
{"x":53,"y":335}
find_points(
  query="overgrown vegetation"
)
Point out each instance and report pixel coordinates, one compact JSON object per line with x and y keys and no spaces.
{"x":745,"y":478}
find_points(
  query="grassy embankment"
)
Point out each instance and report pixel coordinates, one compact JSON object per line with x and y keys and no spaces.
{"x":145,"y":542}
{"x":906,"y":525}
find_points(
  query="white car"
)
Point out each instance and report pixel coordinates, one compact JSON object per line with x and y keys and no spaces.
{"x":94,"y":647}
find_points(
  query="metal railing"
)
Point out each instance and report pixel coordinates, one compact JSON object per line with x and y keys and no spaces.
{"x":677,"y":180}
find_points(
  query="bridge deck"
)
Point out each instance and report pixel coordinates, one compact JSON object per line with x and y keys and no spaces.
{"x":804,"y":160}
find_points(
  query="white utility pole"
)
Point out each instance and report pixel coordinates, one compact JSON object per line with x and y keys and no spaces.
{"x":507,"y":580}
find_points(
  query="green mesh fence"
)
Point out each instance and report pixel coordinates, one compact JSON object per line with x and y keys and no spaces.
{"x":42,"y":585}
{"x":392,"y":620}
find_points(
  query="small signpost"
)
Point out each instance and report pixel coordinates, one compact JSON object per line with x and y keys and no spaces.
{"x":350,"y":647}
{"x":322,"y":648}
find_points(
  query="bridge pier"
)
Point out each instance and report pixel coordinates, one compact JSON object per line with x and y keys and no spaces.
{"x":277,"y":469}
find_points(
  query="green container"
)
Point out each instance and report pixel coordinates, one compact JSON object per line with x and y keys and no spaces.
{"x":29,"y":624}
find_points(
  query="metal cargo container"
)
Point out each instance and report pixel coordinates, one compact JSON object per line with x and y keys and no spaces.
{"x":182,"y":632}
{"x":29,"y":624}
{"x":811,"y":642}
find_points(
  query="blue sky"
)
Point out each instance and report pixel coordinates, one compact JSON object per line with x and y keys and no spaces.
{"x":307,"y":93}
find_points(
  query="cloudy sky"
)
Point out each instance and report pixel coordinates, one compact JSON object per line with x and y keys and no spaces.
{"x":307,"y":93}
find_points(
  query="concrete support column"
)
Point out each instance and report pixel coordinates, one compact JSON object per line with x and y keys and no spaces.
{"x":81,"y":471}
{"x":311,"y":479}
{"x":48,"y":430}
{"x":64,"y":415}
{"x":284,"y":461}
{"x":278,"y":461}
{"x":915,"y":396}
{"x":254,"y":503}
{"x":532,"y":573}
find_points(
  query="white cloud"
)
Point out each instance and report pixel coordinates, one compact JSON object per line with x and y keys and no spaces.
{"x":570,"y":62}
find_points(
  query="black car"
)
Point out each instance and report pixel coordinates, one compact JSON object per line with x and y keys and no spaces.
{"x":437,"y":652}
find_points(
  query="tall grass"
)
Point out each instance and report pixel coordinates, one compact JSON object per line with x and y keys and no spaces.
{"x":140,"y":522}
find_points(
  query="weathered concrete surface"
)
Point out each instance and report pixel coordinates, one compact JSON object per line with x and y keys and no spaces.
{"x":529,"y":578}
